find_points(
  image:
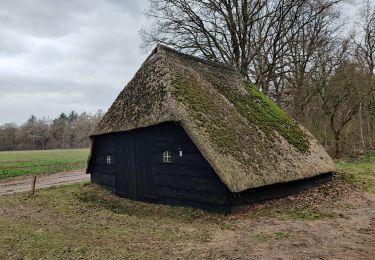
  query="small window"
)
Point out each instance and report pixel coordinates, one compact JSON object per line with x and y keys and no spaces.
{"x":167,"y":157}
{"x":108,"y":159}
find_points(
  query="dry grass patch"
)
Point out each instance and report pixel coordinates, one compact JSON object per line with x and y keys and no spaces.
{"x":86,"y":221}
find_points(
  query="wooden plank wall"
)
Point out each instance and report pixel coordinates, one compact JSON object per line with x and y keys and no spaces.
{"x":101,"y":172}
{"x":137,"y":170}
{"x":186,"y":178}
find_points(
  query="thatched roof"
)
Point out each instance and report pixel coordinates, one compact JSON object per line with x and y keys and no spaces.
{"x":247,"y":139}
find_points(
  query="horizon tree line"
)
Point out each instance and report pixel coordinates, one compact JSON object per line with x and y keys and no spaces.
{"x":68,"y":130}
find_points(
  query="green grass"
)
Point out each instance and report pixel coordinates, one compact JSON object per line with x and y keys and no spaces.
{"x":88,"y":222}
{"x":360,"y":172}
{"x":281,"y":235}
{"x":306,"y":213}
{"x":264,"y":237}
{"x":85,"y":221}
{"x":19,"y":163}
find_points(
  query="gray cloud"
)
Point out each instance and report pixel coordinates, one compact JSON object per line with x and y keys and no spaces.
{"x":59,"y":56}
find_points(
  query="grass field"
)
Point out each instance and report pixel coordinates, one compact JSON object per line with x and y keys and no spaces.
{"x":18,"y":163}
{"x":361,"y":172}
{"x":83,"y":221}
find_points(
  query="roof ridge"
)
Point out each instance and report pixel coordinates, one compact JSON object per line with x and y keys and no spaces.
{"x":160,"y":48}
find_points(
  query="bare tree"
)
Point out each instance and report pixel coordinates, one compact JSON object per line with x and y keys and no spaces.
{"x":318,"y":47}
{"x":60,"y":131}
{"x":342,"y":98}
{"x":8,"y":136}
{"x":364,"y":53}
{"x":66,"y":131}
{"x":365,"y":45}
{"x":254,"y":36}
{"x":293,"y":50}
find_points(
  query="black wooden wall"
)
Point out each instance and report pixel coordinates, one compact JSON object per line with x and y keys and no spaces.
{"x":101,"y":172}
{"x":137,"y":170}
{"x":186,"y":178}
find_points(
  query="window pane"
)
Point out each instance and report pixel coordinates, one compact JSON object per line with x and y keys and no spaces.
{"x":167,"y":157}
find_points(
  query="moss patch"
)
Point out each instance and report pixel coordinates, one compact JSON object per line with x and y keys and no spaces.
{"x":225,"y":128}
{"x":259,"y":110}
{"x":231,"y":128}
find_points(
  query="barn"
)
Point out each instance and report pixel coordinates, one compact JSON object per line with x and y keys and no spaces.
{"x":189,"y":131}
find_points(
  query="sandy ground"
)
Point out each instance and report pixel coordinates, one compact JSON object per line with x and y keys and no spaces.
{"x":42,"y":181}
{"x":351,"y":235}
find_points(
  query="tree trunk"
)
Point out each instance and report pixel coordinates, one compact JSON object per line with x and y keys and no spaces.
{"x":361,"y":126}
{"x":369,"y":132}
{"x":337,"y":146}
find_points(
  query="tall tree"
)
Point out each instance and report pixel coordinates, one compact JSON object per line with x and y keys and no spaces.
{"x":60,"y":132}
{"x":364,"y":53}
{"x":253,"y":36}
{"x":342,"y":98}
{"x":8,"y":133}
{"x":365,"y":44}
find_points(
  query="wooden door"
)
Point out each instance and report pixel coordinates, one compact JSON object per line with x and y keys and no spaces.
{"x":143,"y":164}
{"x":126,"y":181}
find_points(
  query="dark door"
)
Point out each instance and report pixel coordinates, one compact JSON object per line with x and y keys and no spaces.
{"x":126,"y":182}
{"x":143,"y":164}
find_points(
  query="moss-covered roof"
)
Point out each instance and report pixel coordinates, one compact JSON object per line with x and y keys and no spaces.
{"x":248,"y":140}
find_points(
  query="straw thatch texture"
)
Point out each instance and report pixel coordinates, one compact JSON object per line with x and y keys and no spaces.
{"x":248,"y":140}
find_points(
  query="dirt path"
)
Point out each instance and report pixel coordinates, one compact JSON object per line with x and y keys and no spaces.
{"x":42,"y":181}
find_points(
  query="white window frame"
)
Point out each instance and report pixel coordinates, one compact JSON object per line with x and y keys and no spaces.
{"x":167,"y":157}
{"x":108,"y":159}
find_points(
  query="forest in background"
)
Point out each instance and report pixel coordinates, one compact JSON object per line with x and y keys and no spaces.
{"x":70,"y":130}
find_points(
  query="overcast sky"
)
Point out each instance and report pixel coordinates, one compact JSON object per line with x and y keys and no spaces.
{"x":57,"y":56}
{"x":60,"y":56}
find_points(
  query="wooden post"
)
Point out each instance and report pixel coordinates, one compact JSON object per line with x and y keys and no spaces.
{"x":33,"y":182}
